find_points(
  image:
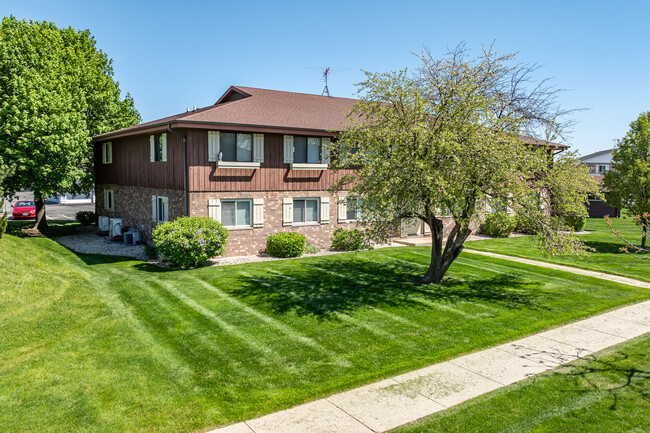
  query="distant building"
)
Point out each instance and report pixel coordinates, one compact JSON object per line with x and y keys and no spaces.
{"x":600,"y":163}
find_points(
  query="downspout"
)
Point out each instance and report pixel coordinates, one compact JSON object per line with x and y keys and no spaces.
{"x":185,"y":191}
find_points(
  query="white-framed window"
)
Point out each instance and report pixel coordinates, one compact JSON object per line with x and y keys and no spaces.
{"x":108,"y":199}
{"x":235,"y":149}
{"x":107,"y":153}
{"x":602,"y":168}
{"x":159,"y":208}
{"x":353,"y":213}
{"x":236,"y":213}
{"x":305,"y":153}
{"x":305,"y":210}
{"x":158,"y":147}
{"x":307,"y":150}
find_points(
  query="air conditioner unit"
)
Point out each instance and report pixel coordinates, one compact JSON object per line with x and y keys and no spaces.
{"x":131,"y":237}
{"x":102,"y":222}
{"x":115,"y":227}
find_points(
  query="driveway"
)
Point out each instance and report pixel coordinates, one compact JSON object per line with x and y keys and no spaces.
{"x":65,"y":212}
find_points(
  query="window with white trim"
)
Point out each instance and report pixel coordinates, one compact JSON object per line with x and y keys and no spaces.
{"x":602,"y":168}
{"x":107,"y":153}
{"x":158,"y":147}
{"x":160,"y":208}
{"x":305,"y":210}
{"x":353,"y":213}
{"x":236,"y":213}
{"x":108,"y":199}
{"x":236,"y":146}
{"x":307,"y":150}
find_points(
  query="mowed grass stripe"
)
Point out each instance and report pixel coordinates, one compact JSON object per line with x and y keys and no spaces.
{"x":357,"y":282}
{"x":428,"y":303}
{"x":306,"y":301}
{"x":275,"y":324}
{"x":246,"y":338}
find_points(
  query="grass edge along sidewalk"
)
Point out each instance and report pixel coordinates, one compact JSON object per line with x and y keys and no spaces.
{"x":393,"y":402}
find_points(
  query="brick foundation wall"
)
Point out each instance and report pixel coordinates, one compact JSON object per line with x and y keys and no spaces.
{"x":133,"y":205}
{"x":253,"y":240}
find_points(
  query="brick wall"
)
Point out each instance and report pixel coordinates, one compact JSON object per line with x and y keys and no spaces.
{"x":253,"y":240}
{"x":133,"y":205}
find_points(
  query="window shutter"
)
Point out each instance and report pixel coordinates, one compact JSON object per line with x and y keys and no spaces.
{"x":324,"y":210}
{"x":214,"y":209}
{"x":109,"y":154}
{"x":287,"y":211}
{"x":288,"y":149}
{"x":165,"y":201}
{"x":154,"y":215}
{"x":163,"y":138}
{"x":152,"y":146}
{"x":427,"y":229}
{"x":258,"y":212}
{"x":343,"y":210}
{"x":214,"y":145}
{"x":325,"y":150}
{"x":258,"y":147}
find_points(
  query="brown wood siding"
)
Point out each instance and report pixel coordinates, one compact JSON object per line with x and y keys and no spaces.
{"x":132,"y":166}
{"x":273,"y":175}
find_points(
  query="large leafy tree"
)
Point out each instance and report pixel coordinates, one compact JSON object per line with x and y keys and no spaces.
{"x":628,"y":183}
{"x":56,"y":91}
{"x":449,"y":139}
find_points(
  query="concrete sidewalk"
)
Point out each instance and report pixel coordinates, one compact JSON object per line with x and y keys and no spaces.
{"x":387,"y":404}
{"x":578,"y":271}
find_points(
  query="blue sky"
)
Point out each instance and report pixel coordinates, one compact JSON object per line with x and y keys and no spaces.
{"x":173,"y":55}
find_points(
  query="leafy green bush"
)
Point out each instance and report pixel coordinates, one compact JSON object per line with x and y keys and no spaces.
{"x":3,"y":225}
{"x":188,"y":242}
{"x":498,"y":225}
{"x":151,"y":252}
{"x":285,"y":244}
{"x":85,"y":217}
{"x":523,"y":225}
{"x":312,"y":249}
{"x":575,"y":222}
{"x":349,"y":240}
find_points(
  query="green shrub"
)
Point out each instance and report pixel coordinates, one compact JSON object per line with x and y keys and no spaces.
{"x":3,"y":224}
{"x":575,"y":222}
{"x":85,"y":217}
{"x":349,"y":240}
{"x":151,"y":252}
{"x":285,"y":244}
{"x":524,"y":225}
{"x":498,"y":225}
{"x":312,"y":249}
{"x":188,"y":242}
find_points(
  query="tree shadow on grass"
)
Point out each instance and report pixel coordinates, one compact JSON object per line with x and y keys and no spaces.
{"x":326,"y":288}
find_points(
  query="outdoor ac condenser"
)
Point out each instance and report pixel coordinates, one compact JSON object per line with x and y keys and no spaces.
{"x":102,"y":222}
{"x":131,"y":237}
{"x":115,"y":227}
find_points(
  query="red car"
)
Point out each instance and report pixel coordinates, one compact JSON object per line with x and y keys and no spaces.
{"x":24,"y":209}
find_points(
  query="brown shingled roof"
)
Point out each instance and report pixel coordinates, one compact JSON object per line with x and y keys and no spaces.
{"x":249,"y":106}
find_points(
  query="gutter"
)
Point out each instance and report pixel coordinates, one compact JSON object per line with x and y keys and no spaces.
{"x":185,"y":191}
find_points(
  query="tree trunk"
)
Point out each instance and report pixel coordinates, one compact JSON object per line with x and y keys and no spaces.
{"x":441,"y":261}
{"x":644,"y":236}
{"x":41,"y":220}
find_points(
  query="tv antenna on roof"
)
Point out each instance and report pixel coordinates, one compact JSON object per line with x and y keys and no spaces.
{"x":326,"y":71}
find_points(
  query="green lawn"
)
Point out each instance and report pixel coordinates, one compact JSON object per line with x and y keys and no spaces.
{"x":607,"y":257}
{"x":101,"y":344}
{"x":607,"y":392}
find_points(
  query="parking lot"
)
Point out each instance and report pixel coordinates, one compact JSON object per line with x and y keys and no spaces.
{"x":65,"y":212}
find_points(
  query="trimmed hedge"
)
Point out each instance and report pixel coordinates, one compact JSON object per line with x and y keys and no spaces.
{"x":285,"y":244}
{"x":349,"y":240}
{"x":188,"y":242}
{"x":85,"y":217}
{"x":498,"y":225}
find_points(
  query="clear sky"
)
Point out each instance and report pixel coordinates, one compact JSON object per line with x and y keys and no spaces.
{"x":171,"y":55}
